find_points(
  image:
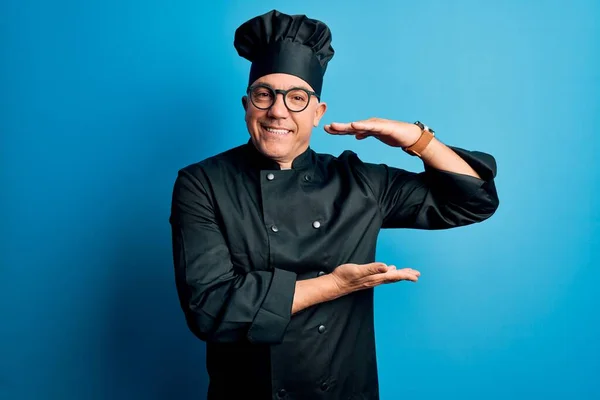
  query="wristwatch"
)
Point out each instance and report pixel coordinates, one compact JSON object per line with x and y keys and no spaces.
{"x":426,"y":135}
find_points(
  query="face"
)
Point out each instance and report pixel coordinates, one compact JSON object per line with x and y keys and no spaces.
{"x":277,"y":132}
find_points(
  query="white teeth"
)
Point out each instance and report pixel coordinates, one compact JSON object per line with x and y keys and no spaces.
{"x":277,"y":131}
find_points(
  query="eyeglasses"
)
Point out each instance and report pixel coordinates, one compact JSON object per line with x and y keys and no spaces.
{"x":295,"y":99}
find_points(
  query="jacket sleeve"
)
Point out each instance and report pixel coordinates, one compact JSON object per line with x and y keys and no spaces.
{"x":435,"y":199}
{"x":221,"y":301}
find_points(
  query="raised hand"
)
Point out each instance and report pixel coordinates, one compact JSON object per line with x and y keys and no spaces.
{"x":392,"y":133}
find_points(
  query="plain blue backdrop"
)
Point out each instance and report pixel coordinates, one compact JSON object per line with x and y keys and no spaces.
{"x":101,"y":102}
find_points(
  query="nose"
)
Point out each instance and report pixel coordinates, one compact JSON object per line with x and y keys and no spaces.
{"x":278,"y":109}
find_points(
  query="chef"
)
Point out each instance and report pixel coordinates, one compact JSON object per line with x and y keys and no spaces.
{"x":274,"y":243}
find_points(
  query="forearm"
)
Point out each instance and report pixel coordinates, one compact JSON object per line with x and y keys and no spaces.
{"x":439,"y":156}
{"x":314,"y":291}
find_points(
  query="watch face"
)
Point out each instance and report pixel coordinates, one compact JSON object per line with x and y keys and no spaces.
{"x":424,"y":127}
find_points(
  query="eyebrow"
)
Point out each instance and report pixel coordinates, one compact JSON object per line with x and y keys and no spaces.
{"x":289,"y":87}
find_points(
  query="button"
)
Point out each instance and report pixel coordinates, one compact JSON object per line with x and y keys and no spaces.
{"x":321,"y":328}
{"x":281,"y":393}
{"x":270,"y":177}
{"x":321,"y":273}
{"x":274,"y":228}
{"x":316,"y":224}
{"x":307,"y":178}
{"x":324,"y":386}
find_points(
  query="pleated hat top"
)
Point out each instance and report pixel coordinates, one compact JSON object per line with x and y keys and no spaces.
{"x":292,"y":44}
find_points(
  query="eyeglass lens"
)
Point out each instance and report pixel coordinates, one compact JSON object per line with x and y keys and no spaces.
{"x":264,"y":97}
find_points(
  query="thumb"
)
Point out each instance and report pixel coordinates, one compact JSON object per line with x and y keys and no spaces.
{"x":378,"y":268}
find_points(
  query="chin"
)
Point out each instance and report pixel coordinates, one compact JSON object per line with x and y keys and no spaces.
{"x":273,"y":149}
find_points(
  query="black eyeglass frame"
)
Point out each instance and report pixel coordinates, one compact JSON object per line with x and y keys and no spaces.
{"x":275,"y":92}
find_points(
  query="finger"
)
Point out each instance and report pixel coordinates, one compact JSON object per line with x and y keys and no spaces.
{"x":341,"y":126}
{"x":411,"y":271}
{"x":407,"y":276}
{"x":330,"y":130}
{"x":400,"y":275}
{"x":352,"y":127}
{"x":368,"y":126}
{"x":336,"y":128}
{"x":333,"y":131}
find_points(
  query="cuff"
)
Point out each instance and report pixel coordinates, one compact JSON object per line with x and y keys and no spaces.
{"x":274,"y":315}
{"x":460,"y":187}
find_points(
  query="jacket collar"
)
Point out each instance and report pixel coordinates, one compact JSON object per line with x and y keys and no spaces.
{"x":257,"y":159}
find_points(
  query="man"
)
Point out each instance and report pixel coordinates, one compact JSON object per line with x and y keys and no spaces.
{"x":274,"y":244}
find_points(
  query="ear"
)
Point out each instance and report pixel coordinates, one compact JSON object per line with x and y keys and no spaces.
{"x":245,"y":102}
{"x":319,"y":112}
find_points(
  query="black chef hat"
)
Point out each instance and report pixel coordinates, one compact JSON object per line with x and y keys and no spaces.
{"x":292,"y":44}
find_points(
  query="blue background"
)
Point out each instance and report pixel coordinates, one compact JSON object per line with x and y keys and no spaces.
{"x":102,"y":102}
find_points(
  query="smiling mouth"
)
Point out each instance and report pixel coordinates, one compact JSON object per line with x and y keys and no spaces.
{"x":276,"y":131}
